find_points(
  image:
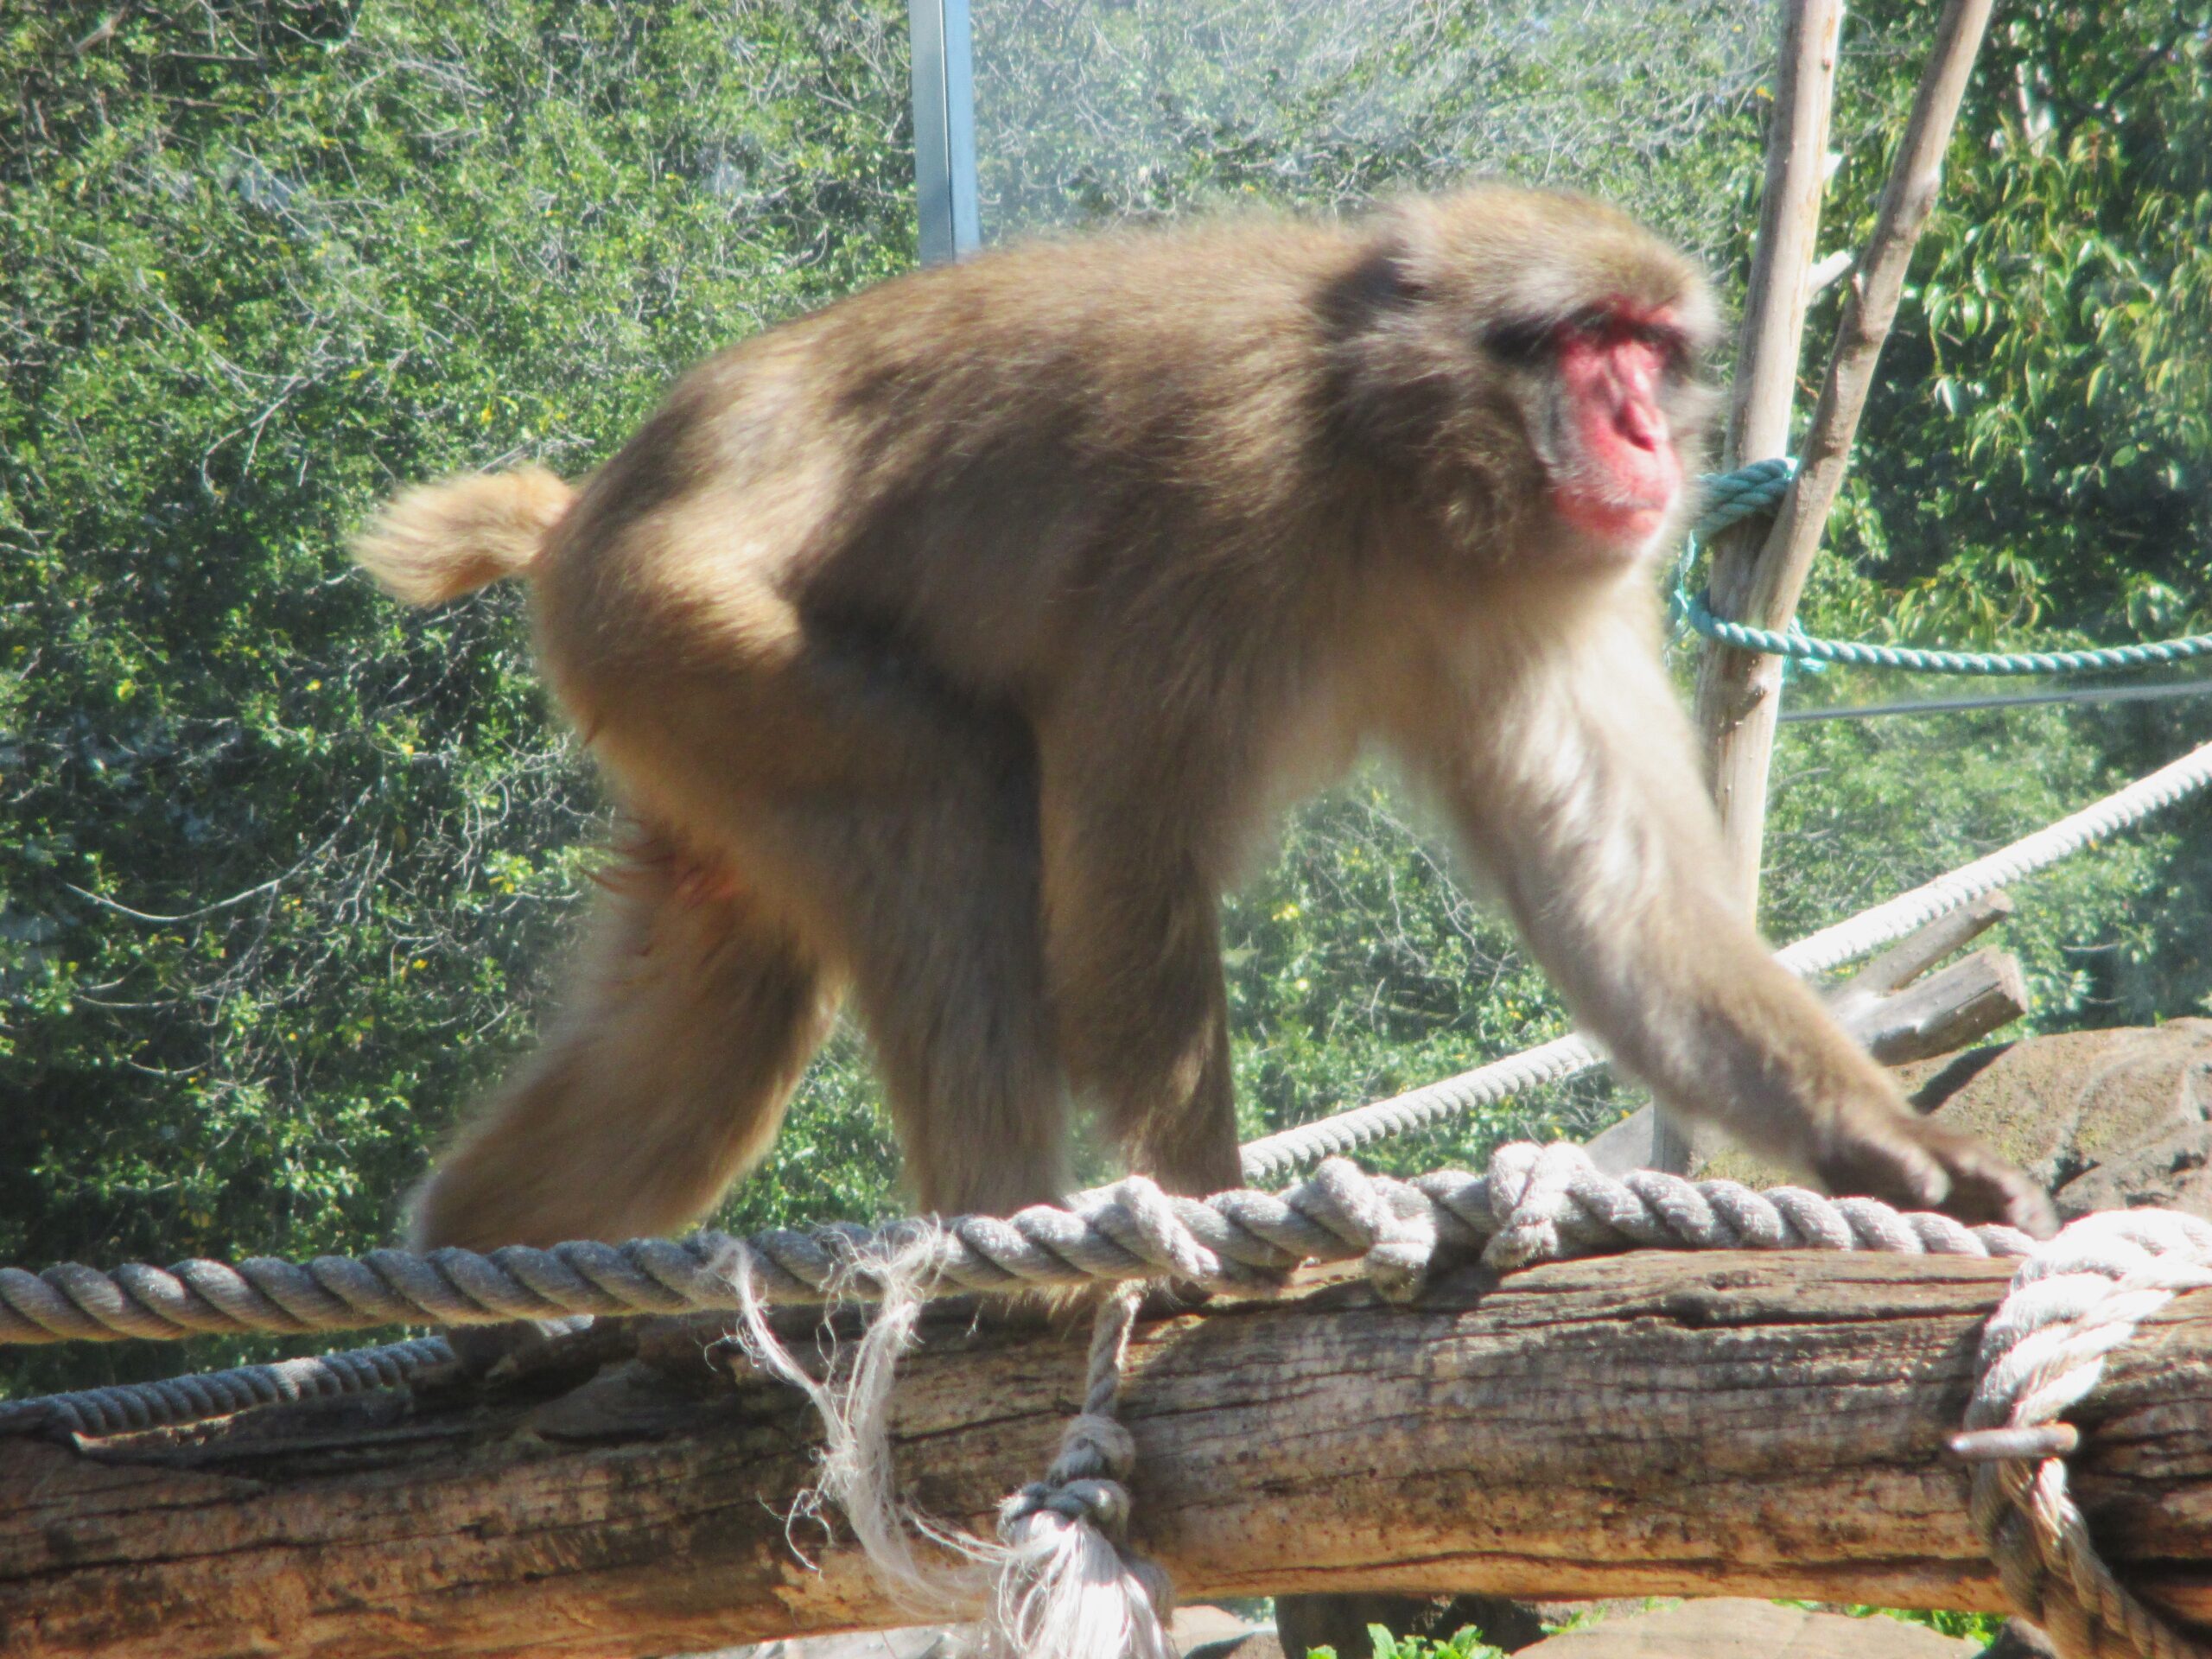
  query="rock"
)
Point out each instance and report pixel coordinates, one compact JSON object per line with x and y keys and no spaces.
{"x":2019,"y":1640}
{"x":1258,"y":1642}
{"x":2063,"y":1106}
{"x":1203,"y":1625}
{"x":916,"y":1642}
{"x":1201,"y":1632}
{"x":1731,"y":1629}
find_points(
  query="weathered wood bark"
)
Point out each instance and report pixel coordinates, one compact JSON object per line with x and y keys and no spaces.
{"x":1947,"y":1011}
{"x":1661,"y":1424}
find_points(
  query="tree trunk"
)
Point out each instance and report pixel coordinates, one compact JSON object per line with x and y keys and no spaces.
{"x":1661,"y":1424}
{"x":1739,"y":692}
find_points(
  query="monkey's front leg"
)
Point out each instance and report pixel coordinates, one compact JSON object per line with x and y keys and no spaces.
{"x":1607,"y":854}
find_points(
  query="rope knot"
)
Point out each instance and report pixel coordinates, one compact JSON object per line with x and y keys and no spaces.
{"x":1392,"y":1224}
{"x":1143,"y":1221}
{"x":1103,"y":1503}
{"x":1094,"y":1445}
{"x":1547,"y":1201}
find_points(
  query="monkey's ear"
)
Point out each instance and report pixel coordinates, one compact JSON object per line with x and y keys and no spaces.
{"x":1387,"y":281}
{"x":1384,"y":390}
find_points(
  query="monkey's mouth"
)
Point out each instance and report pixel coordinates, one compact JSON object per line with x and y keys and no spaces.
{"x":1628,"y":525}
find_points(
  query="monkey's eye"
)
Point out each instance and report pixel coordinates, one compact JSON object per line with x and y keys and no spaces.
{"x":1520,"y":343}
{"x":1672,"y":349}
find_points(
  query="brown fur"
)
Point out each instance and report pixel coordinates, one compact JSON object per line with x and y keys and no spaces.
{"x":965,"y":634}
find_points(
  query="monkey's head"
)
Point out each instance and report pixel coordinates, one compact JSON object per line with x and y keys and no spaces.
{"x":1532,"y":361}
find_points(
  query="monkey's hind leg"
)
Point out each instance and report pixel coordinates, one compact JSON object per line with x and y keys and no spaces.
{"x":931,"y":889}
{"x":1133,"y":937}
{"x":688,"y":1021}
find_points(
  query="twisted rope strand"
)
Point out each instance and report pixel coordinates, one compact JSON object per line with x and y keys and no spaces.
{"x":1760,"y":487}
{"x":128,"y":1407}
{"x":1236,"y":1241}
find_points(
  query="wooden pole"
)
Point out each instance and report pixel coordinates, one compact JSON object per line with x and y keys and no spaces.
{"x":1657,"y":1424}
{"x":1737,"y":697}
{"x":1765,"y":384}
{"x":1770,"y":349}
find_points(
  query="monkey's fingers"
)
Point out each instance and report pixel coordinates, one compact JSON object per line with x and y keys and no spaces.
{"x":1985,"y":1187}
{"x":1917,"y":1165}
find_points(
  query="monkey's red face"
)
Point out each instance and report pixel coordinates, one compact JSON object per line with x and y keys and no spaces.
{"x":1620,"y":471}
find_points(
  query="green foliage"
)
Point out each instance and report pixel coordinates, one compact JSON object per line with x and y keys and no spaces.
{"x":2046,"y":405}
{"x":283,"y":860}
{"x":1467,"y":1645}
{"x":2039,"y":461}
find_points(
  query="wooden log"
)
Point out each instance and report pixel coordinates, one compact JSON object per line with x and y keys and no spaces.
{"x":1946,"y":1011}
{"x":1921,"y":950}
{"x":1657,"y":1424}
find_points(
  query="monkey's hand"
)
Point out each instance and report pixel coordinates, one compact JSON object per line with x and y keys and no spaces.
{"x":1917,"y":1165}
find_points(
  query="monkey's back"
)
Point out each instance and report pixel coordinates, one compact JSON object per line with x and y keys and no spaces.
{"x":982,"y":466}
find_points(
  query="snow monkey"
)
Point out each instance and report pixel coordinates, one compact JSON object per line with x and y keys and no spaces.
{"x":950,"y":647}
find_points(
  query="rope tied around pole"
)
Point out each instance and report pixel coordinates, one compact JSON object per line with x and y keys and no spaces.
{"x":1759,"y":487}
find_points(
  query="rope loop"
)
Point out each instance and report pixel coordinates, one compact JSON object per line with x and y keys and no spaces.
{"x":2073,"y":1301}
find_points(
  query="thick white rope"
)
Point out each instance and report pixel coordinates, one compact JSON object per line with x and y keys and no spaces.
{"x":1272,"y":1157}
{"x":2072,"y":1303}
{"x":1239,"y":1239}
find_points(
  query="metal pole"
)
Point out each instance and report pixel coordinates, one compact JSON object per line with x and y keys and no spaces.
{"x":944,"y":128}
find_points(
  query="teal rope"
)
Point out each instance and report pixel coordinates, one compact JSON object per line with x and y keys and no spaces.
{"x":1759,"y":487}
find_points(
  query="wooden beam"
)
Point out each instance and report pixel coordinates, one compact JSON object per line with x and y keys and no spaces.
{"x":1657,"y":1424}
{"x":1918,"y":951}
{"x":1768,"y":350}
{"x":1946,"y":1011}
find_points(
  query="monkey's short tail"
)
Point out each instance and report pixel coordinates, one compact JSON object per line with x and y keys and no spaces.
{"x":437,"y":541}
